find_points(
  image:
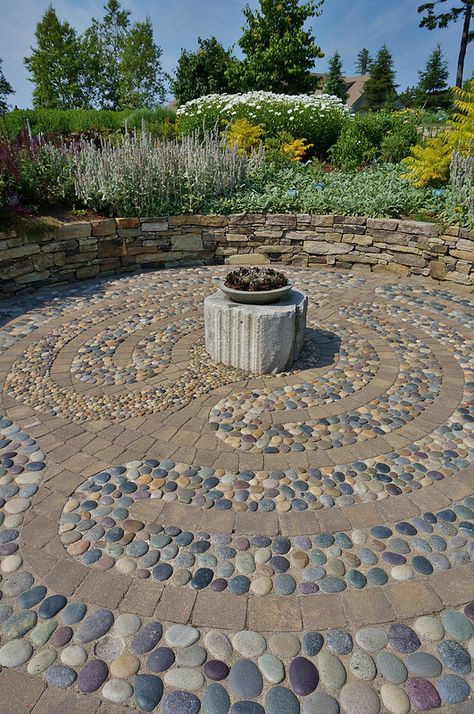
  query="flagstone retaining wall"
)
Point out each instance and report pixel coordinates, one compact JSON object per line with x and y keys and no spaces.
{"x":73,"y":251}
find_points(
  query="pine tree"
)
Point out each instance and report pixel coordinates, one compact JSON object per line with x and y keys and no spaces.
{"x":363,"y":62}
{"x":279,"y":52}
{"x":380,"y":88}
{"x":55,"y":64}
{"x":432,"y":21}
{"x":210,"y":70}
{"x":5,"y":90}
{"x":433,"y":85}
{"x":334,"y":82}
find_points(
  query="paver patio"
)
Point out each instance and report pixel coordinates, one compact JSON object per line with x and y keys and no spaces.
{"x":179,"y":536}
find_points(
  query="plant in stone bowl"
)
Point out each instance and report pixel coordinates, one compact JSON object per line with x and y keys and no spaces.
{"x":255,"y":285}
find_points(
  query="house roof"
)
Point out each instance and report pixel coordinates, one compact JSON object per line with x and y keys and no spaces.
{"x":355,"y":87}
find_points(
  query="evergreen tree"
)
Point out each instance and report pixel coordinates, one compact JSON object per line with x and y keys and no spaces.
{"x":334,"y":82}
{"x":279,"y":52}
{"x":141,"y":80}
{"x":433,"y":86}
{"x":5,"y":90}
{"x":433,"y":20}
{"x":363,"y":62}
{"x":55,"y":64}
{"x":410,"y":97}
{"x":210,"y":70}
{"x":380,"y":88}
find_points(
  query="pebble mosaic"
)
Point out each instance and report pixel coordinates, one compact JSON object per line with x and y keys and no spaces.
{"x":146,"y":663}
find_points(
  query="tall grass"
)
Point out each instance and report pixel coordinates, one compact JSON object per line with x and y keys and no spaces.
{"x":143,"y":176}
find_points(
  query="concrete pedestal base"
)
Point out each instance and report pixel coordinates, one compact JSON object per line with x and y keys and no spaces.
{"x":262,"y":339}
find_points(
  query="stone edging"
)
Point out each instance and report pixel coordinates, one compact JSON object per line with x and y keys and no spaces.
{"x":74,"y":251}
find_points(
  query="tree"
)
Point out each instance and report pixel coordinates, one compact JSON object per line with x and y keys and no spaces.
{"x":380,"y":88}
{"x":122,"y":62}
{"x":432,"y":20}
{"x":5,"y":90}
{"x":410,"y":97}
{"x":433,"y":85}
{"x":334,"y":82}
{"x":55,"y":64}
{"x":279,"y":52}
{"x":363,"y":62}
{"x":141,"y":79}
{"x":102,"y":53}
{"x":210,"y":70}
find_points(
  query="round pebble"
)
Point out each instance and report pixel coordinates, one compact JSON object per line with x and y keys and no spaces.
{"x":359,"y":698}
{"x":117,"y":691}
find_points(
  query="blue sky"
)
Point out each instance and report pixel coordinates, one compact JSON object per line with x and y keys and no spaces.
{"x":345,"y":25}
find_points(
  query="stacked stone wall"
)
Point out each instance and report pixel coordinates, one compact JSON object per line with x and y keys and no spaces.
{"x":73,"y":251}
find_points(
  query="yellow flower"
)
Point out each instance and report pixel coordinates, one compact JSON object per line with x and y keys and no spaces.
{"x":296,"y":150}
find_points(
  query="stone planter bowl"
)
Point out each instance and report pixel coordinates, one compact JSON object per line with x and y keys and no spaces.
{"x":256,"y":297}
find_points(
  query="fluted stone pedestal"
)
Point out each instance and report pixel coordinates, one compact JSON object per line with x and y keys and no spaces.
{"x":262,"y":339}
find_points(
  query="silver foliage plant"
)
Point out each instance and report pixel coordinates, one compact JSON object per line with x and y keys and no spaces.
{"x":460,"y":194}
{"x":143,"y":176}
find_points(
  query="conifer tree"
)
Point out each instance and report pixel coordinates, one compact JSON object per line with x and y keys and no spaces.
{"x":432,"y":20}
{"x":55,"y":64}
{"x":433,"y":85}
{"x":334,"y":82}
{"x":363,"y":62}
{"x":380,"y":88}
{"x":5,"y":90}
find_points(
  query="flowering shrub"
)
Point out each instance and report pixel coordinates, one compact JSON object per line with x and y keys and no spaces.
{"x":318,"y":118}
{"x":142,"y":176}
{"x":296,"y":149}
{"x":243,"y":135}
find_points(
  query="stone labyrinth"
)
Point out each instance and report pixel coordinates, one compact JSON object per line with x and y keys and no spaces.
{"x":182,"y":537}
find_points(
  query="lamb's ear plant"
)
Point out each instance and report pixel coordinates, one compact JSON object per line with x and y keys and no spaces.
{"x":377,"y":192}
{"x":143,"y":176}
{"x":460,"y":191}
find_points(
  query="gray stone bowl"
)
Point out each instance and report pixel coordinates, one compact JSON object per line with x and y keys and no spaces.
{"x":256,"y":297}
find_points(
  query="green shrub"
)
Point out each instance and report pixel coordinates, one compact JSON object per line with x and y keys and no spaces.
{"x":352,"y":150}
{"x":318,"y":119}
{"x":75,"y":121}
{"x":385,"y":135}
{"x":397,"y":144}
{"x":376,"y":192}
{"x":46,"y":177}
